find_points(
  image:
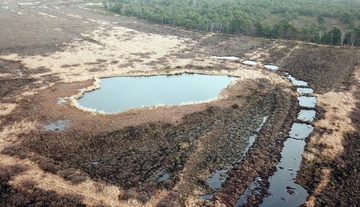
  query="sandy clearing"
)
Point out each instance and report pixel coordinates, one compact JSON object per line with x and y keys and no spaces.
{"x":121,"y":45}
{"x":339,"y":106}
{"x":7,"y":108}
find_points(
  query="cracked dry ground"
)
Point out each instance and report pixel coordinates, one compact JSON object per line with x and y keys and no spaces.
{"x":111,"y":160}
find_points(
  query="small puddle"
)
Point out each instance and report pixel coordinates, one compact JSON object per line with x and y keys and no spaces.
{"x":57,"y":126}
{"x":206,"y":197}
{"x":305,"y":90}
{"x":271,"y":67}
{"x":249,"y":62}
{"x":306,"y":115}
{"x":295,"y":81}
{"x":300,"y":130}
{"x":121,"y":93}
{"x":60,"y":101}
{"x":218,"y":179}
{"x":305,"y":101}
{"x":226,"y":57}
{"x":161,"y":176}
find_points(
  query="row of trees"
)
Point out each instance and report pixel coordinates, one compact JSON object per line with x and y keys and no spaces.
{"x":265,"y":18}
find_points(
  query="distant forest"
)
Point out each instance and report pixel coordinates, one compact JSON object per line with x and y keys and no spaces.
{"x":333,"y":22}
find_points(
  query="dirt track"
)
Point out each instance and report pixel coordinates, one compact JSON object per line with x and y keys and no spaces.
{"x":111,"y":160}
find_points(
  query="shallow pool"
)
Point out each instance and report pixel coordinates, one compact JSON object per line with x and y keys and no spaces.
{"x":121,"y":93}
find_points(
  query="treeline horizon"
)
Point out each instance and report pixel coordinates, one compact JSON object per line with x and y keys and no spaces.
{"x":305,"y":20}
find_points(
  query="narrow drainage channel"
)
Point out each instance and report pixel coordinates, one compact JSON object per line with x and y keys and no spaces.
{"x":219,"y":177}
{"x":281,"y":186}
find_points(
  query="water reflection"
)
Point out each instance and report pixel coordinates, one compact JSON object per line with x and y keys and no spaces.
{"x":306,"y":115}
{"x":225,"y":57}
{"x":305,"y":101}
{"x":271,"y":67}
{"x":249,"y":62}
{"x":57,"y":126}
{"x":122,"y":93}
{"x":305,"y":90}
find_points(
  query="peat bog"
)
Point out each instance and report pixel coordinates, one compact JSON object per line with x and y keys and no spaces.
{"x":165,"y":156}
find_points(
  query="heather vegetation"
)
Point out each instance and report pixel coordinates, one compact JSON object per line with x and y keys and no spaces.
{"x":54,"y":153}
{"x":333,"y":22}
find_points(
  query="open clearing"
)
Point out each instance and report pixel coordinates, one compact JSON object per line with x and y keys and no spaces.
{"x":51,"y":50}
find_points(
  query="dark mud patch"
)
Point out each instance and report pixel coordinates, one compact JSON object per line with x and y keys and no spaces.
{"x":101,"y":60}
{"x":144,"y":55}
{"x":320,"y":113}
{"x":114,"y":61}
{"x":95,"y":69}
{"x":40,"y":70}
{"x":66,"y":66}
{"x":324,"y":68}
{"x":50,"y":78}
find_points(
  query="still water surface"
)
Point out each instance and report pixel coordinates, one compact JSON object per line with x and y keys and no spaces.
{"x":122,"y":93}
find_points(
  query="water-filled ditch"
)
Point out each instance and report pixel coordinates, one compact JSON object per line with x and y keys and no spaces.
{"x":121,"y":93}
{"x":282,"y":188}
{"x":219,"y":177}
